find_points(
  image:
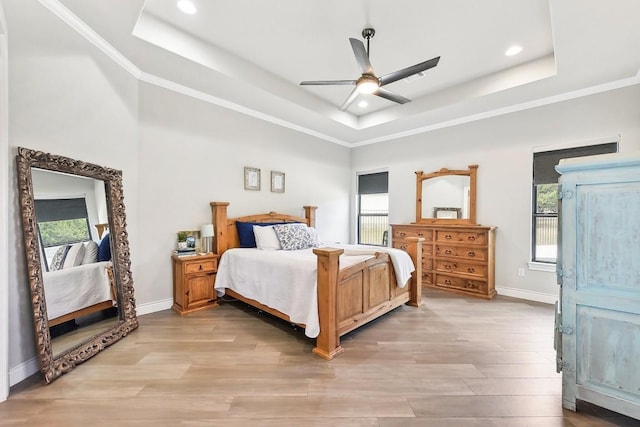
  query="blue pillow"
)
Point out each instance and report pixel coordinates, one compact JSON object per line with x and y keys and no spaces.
{"x":104,"y":249}
{"x":245,"y":232}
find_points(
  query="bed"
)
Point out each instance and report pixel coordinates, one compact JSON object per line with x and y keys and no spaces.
{"x":77,"y":291}
{"x":348,"y":296}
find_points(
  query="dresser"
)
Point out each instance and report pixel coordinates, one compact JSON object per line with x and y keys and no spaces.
{"x":598,"y":327}
{"x":193,"y":280}
{"x":456,"y":258}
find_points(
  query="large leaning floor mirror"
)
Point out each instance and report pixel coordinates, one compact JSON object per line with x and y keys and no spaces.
{"x":77,"y":253}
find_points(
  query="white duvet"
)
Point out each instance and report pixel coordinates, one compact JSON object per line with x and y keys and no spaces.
{"x":286,"y":280}
{"x":75,"y":288}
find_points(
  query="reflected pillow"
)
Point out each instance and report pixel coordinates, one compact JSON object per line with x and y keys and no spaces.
{"x":266,"y":238}
{"x":58,"y":258}
{"x":90,"y":252}
{"x":74,"y":255}
{"x":294,"y":236}
{"x":104,"y":249}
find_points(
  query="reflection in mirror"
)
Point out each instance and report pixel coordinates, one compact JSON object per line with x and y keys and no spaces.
{"x":446,"y":196}
{"x":77,"y":256}
{"x":76,"y":262}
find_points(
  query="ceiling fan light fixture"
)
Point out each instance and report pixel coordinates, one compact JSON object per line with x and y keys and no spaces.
{"x":367,"y":84}
{"x":513,"y":50}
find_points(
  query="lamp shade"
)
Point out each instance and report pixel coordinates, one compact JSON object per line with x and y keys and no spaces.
{"x":206,"y":230}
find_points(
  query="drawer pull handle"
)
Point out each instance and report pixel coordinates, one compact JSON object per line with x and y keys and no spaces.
{"x":403,"y":247}
{"x":402,"y":234}
{"x":450,"y":266}
{"x":471,"y":270}
{"x":421,"y":234}
{"x":471,"y":253}
{"x":471,"y":285}
{"x":200,"y":267}
{"x":448,"y":236}
{"x":472,"y":238}
{"x":447,"y":282}
{"x":448,"y":252}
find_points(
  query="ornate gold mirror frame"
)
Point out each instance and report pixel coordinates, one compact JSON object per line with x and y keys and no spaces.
{"x":444,"y":173}
{"x":53,"y":365}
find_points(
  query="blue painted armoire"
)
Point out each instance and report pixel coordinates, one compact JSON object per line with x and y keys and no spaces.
{"x":598,"y":324}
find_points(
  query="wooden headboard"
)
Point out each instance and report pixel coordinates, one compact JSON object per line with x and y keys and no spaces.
{"x":226,"y":234}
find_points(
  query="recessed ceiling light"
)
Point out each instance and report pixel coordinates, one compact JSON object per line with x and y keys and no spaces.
{"x":363,"y":104}
{"x":186,"y":6}
{"x":513,"y":50}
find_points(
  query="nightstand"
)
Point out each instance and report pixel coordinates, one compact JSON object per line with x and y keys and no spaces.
{"x":193,"y":280}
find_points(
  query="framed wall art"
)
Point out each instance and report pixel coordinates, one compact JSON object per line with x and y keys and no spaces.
{"x":277,"y":182}
{"x":251,"y":178}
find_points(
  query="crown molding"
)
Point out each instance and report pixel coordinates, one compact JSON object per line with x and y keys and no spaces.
{"x":59,"y":10}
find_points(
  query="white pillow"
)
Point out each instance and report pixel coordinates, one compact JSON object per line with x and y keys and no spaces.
{"x":74,"y":256}
{"x":313,"y":233}
{"x":90,"y":253}
{"x":266,"y":238}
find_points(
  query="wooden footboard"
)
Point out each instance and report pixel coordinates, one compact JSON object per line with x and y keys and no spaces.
{"x":350,"y":298}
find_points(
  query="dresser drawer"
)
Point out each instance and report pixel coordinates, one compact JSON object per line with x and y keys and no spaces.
{"x":467,"y":237}
{"x":479,"y":270}
{"x":470,"y":285}
{"x":402,"y":244}
{"x":402,"y":233}
{"x":469,"y":253}
{"x":200,"y":266}
{"x":427,"y":277}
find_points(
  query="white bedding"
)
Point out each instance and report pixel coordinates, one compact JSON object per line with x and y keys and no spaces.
{"x":75,"y":288}
{"x":286,"y":280}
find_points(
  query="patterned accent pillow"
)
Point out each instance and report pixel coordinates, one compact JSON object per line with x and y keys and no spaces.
{"x":57,"y":262}
{"x":293,"y":237}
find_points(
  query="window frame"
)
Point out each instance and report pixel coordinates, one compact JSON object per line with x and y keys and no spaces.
{"x":595,"y":147}
{"x":375,"y":186}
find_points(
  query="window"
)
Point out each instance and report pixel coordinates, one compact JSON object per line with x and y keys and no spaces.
{"x":61,"y":222}
{"x":373,"y":209}
{"x":545,"y":197}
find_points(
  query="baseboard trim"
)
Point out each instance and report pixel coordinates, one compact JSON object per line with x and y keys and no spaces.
{"x":23,"y":371}
{"x":26,"y":369}
{"x":528,"y":295}
{"x":152,"y":307}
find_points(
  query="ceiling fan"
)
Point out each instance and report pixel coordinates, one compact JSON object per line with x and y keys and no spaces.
{"x":368,"y":82}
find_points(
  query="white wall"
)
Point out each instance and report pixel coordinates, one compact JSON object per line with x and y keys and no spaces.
{"x":65,"y":98}
{"x":4,"y":244}
{"x":177,"y":154}
{"x":193,"y":153}
{"x":503,"y":147}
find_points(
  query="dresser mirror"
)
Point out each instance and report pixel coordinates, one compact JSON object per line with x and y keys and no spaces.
{"x":77,"y":254}
{"x":446,"y":196}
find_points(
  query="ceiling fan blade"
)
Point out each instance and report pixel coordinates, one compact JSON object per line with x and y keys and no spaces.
{"x":361,"y":56}
{"x":409,"y":71}
{"x":387,"y":94}
{"x":328,"y":82}
{"x":352,"y":97}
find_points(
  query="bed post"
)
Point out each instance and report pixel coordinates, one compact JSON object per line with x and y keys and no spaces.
{"x":328,"y":342}
{"x":310,"y":214}
{"x":414,"y":249}
{"x":219,"y":221}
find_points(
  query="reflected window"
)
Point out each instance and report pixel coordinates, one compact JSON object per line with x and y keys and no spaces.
{"x":545,"y":218}
{"x":61,"y":222}
{"x":373,"y":209}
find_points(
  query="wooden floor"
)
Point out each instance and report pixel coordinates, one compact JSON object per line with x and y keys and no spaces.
{"x":455,"y":361}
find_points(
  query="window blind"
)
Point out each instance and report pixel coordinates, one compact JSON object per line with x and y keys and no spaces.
{"x":373,"y":183}
{"x":544,"y":163}
{"x":60,"y":209}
